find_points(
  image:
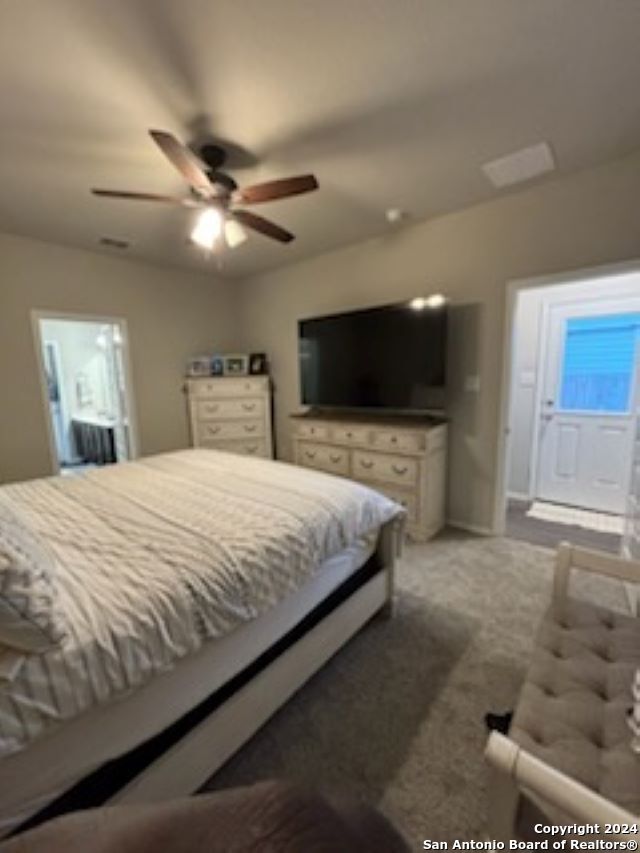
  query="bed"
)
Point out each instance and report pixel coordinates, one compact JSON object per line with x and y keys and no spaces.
{"x":198,"y":591}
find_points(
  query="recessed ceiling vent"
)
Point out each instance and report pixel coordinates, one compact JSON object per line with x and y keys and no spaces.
{"x":114,"y":243}
{"x":520,"y":166}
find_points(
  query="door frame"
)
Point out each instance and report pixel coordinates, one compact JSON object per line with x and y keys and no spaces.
{"x":62,"y":391}
{"x":514,"y":287}
{"x":36,"y":316}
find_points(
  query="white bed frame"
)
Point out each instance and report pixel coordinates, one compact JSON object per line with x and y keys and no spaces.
{"x":183,"y":768}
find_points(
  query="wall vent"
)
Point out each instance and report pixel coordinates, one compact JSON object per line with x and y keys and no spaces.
{"x":520,"y":166}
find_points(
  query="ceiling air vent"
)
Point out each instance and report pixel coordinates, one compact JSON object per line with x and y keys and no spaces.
{"x":520,"y":166}
{"x":114,"y":243}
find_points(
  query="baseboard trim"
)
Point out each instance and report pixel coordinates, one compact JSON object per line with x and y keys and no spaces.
{"x":470,"y":528}
{"x":519,"y":496}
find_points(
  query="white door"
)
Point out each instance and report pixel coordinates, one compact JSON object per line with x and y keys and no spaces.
{"x":588,"y":406}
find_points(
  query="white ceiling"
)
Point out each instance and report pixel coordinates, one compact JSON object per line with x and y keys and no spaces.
{"x":392,"y":103}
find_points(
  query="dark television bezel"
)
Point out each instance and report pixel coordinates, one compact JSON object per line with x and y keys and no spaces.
{"x":378,"y":410}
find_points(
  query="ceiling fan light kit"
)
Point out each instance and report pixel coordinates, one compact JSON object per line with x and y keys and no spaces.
{"x":218,"y":194}
{"x":208,"y":229}
{"x":234,"y":234}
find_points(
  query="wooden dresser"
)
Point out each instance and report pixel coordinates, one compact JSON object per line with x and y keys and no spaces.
{"x":231,"y":413}
{"x":405,"y":458}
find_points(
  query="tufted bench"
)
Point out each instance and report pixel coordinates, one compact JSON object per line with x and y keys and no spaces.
{"x":569,"y":731}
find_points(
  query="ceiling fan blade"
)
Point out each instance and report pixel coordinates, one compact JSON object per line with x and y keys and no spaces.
{"x":184,"y":160}
{"x":271,"y":190}
{"x":168,"y":199}
{"x":264,"y":226}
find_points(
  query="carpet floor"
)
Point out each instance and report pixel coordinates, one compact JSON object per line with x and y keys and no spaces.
{"x":396,"y":717}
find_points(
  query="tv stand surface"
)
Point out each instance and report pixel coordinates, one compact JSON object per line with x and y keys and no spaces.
{"x":408,"y":418}
{"x":403,"y":456}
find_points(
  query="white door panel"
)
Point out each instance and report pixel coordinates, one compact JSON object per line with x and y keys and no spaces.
{"x":567,"y":451}
{"x":588,"y":413}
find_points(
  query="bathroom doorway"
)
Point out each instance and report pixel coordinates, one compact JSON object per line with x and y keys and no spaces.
{"x":87,"y":390}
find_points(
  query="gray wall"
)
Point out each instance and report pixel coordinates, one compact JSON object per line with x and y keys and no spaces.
{"x":171,"y":315}
{"x":581,"y":220}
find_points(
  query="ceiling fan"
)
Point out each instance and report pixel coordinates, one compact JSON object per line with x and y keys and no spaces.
{"x":218,"y":195}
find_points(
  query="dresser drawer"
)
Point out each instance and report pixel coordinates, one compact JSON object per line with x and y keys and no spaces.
{"x":248,"y":447}
{"x":312,"y":430}
{"x":385,"y":468}
{"x":350,"y":434}
{"x":250,"y":407}
{"x":405,"y":498}
{"x":236,"y":387}
{"x":230,"y":429}
{"x":335,"y":460}
{"x":397,"y":440}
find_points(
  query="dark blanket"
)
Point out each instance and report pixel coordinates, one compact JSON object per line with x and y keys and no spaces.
{"x":270,"y":817}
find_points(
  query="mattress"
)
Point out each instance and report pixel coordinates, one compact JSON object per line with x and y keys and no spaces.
{"x":33,"y":777}
{"x":155,"y":558}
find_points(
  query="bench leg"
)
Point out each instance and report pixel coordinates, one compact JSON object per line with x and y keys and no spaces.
{"x":503,"y":806}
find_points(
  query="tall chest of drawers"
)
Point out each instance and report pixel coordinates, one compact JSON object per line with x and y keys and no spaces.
{"x":404,"y":458}
{"x":231,"y":413}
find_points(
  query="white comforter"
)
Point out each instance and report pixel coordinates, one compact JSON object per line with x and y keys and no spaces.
{"x":156,"y":556}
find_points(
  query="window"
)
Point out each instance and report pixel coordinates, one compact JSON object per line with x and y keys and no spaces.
{"x":599,"y":363}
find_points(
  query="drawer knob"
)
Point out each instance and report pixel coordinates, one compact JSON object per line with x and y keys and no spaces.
{"x":251,"y":448}
{"x":335,"y":459}
{"x":214,"y":429}
{"x":248,"y":407}
{"x":394,"y":439}
{"x":349,"y":435}
{"x":249,"y":427}
{"x":310,"y":454}
{"x":366,"y":464}
{"x":399,"y":469}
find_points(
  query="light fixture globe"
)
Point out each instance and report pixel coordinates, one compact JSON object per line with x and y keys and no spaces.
{"x":208,"y":228}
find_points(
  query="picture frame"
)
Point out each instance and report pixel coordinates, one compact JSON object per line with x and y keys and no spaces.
{"x":236,"y":364}
{"x":199,"y":365}
{"x":257,"y":363}
{"x":217,"y":365}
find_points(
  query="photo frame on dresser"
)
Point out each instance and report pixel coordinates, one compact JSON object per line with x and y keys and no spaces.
{"x":236,"y":365}
{"x":199,"y":365}
{"x":257,"y":363}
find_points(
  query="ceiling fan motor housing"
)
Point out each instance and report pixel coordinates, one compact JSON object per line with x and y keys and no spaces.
{"x":214,"y":156}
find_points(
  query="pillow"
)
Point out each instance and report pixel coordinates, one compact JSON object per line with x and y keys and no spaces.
{"x":28,"y":619}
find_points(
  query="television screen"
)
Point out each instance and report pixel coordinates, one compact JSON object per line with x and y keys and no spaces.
{"x":379,"y":358}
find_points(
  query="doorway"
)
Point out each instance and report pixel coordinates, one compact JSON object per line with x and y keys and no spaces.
{"x":87,"y":390}
{"x":573,"y":397}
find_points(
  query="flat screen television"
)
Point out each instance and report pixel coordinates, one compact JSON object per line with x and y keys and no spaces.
{"x":393,"y":358}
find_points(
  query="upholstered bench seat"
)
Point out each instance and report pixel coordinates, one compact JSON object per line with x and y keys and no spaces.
{"x":571,"y":715}
{"x":572,"y":711}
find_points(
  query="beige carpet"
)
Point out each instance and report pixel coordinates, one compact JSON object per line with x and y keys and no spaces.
{"x":396,"y":717}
